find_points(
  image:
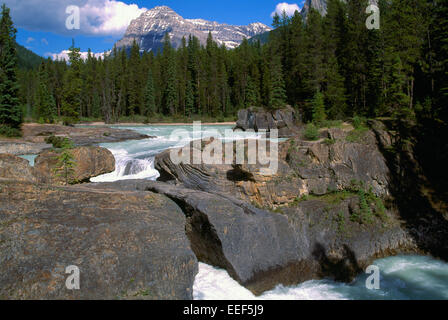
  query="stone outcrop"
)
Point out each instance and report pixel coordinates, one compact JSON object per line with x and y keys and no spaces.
{"x":127,"y":245}
{"x":284,"y":120}
{"x":22,"y":148}
{"x":81,"y":136}
{"x":303,"y":168}
{"x":142,"y":239}
{"x":15,"y":168}
{"x":261,"y":249}
{"x":89,"y":162}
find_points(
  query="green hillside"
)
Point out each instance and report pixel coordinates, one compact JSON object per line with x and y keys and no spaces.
{"x":263,"y":38}
{"x":27,"y":58}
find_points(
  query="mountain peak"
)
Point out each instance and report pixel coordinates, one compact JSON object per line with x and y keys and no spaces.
{"x":150,"y":28}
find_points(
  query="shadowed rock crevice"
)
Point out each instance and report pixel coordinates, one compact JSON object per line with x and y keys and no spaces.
{"x":204,"y":240}
{"x":344,"y":268}
{"x":416,"y":194}
{"x":238,"y":174}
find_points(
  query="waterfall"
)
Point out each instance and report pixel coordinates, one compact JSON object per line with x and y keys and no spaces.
{"x":128,"y":167}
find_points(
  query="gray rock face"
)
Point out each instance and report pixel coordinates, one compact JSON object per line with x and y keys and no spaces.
{"x":286,"y":121}
{"x":321,"y":6}
{"x":150,"y":28}
{"x":304,"y":168}
{"x":15,"y":168}
{"x":22,"y":148}
{"x":127,"y":245}
{"x":261,"y":249}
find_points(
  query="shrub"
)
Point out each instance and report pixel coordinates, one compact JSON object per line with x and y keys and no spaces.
{"x":59,"y":142}
{"x":311,"y":132}
{"x":10,"y":132}
{"x":359,"y":122}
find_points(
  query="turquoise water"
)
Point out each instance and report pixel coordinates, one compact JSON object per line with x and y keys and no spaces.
{"x":402,"y":277}
{"x":30,"y":158}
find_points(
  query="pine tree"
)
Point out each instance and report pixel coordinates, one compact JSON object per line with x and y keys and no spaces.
{"x":439,"y":28}
{"x":314,"y":53}
{"x":397,"y":99}
{"x":45,"y":105}
{"x":189,"y":99}
{"x":134,"y":84}
{"x":319,"y":115}
{"x":277,"y":85}
{"x":10,"y":110}
{"x":150,"y":103}
{"x":334,"y":83}
{"x":251,"y":94}
{"x":71,"y":104}
{"x":169,"y":68}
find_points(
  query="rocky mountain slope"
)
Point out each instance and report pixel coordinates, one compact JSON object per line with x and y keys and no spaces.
{"x":321,"y":6}
{"x":150,"y":28}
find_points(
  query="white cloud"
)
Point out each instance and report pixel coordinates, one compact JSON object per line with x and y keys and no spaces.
{"x":63,"y":55}
{"x":290,"y":9}
{"x":98,"y":17}
{"x":108,"y":17}
{"x":44,"y":41}
{"x":29,"y":40}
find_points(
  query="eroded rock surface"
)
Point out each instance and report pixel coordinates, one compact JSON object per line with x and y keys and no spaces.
{"x":16,"y":168}
{"x":127,"y":245}
{"x":81,"y":136}
{"x":89,"y":162}
{"x":284,"y":120}
{"x":303,"y":168}
{"x":261,"y":249}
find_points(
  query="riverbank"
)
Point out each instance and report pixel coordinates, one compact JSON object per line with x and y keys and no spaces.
{"x":131,"y":124}
{"x":34,"y":137}
{"x":328,"y":213}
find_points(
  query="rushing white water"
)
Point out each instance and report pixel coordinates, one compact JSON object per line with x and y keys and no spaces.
{"x":402,"y":277}
{"x":135,"y":159}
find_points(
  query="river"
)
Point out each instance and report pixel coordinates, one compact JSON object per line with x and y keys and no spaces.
{"x":401,"y":277}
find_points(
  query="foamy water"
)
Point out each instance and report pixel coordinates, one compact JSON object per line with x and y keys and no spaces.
{"x":402,"y":278}
{"x":135,"y":159}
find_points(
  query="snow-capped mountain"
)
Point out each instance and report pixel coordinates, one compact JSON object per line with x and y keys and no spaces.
{"x":150,"y":28}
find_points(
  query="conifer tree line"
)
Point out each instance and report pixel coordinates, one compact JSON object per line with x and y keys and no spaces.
{"x":329,"y":67}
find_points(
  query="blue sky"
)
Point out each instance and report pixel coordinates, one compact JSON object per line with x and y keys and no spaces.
{"x":41,"y":23}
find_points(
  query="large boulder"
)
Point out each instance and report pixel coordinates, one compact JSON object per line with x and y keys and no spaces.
{"x":286,"y":121}
{"x":15,"y":168}
{"x":261,"y":249}
{"x":127,"y":245}
{"x":304,"y":168}
{"x":89,"y":162}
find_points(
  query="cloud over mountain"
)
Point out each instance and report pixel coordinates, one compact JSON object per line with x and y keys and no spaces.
{"x":97,"y":17}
